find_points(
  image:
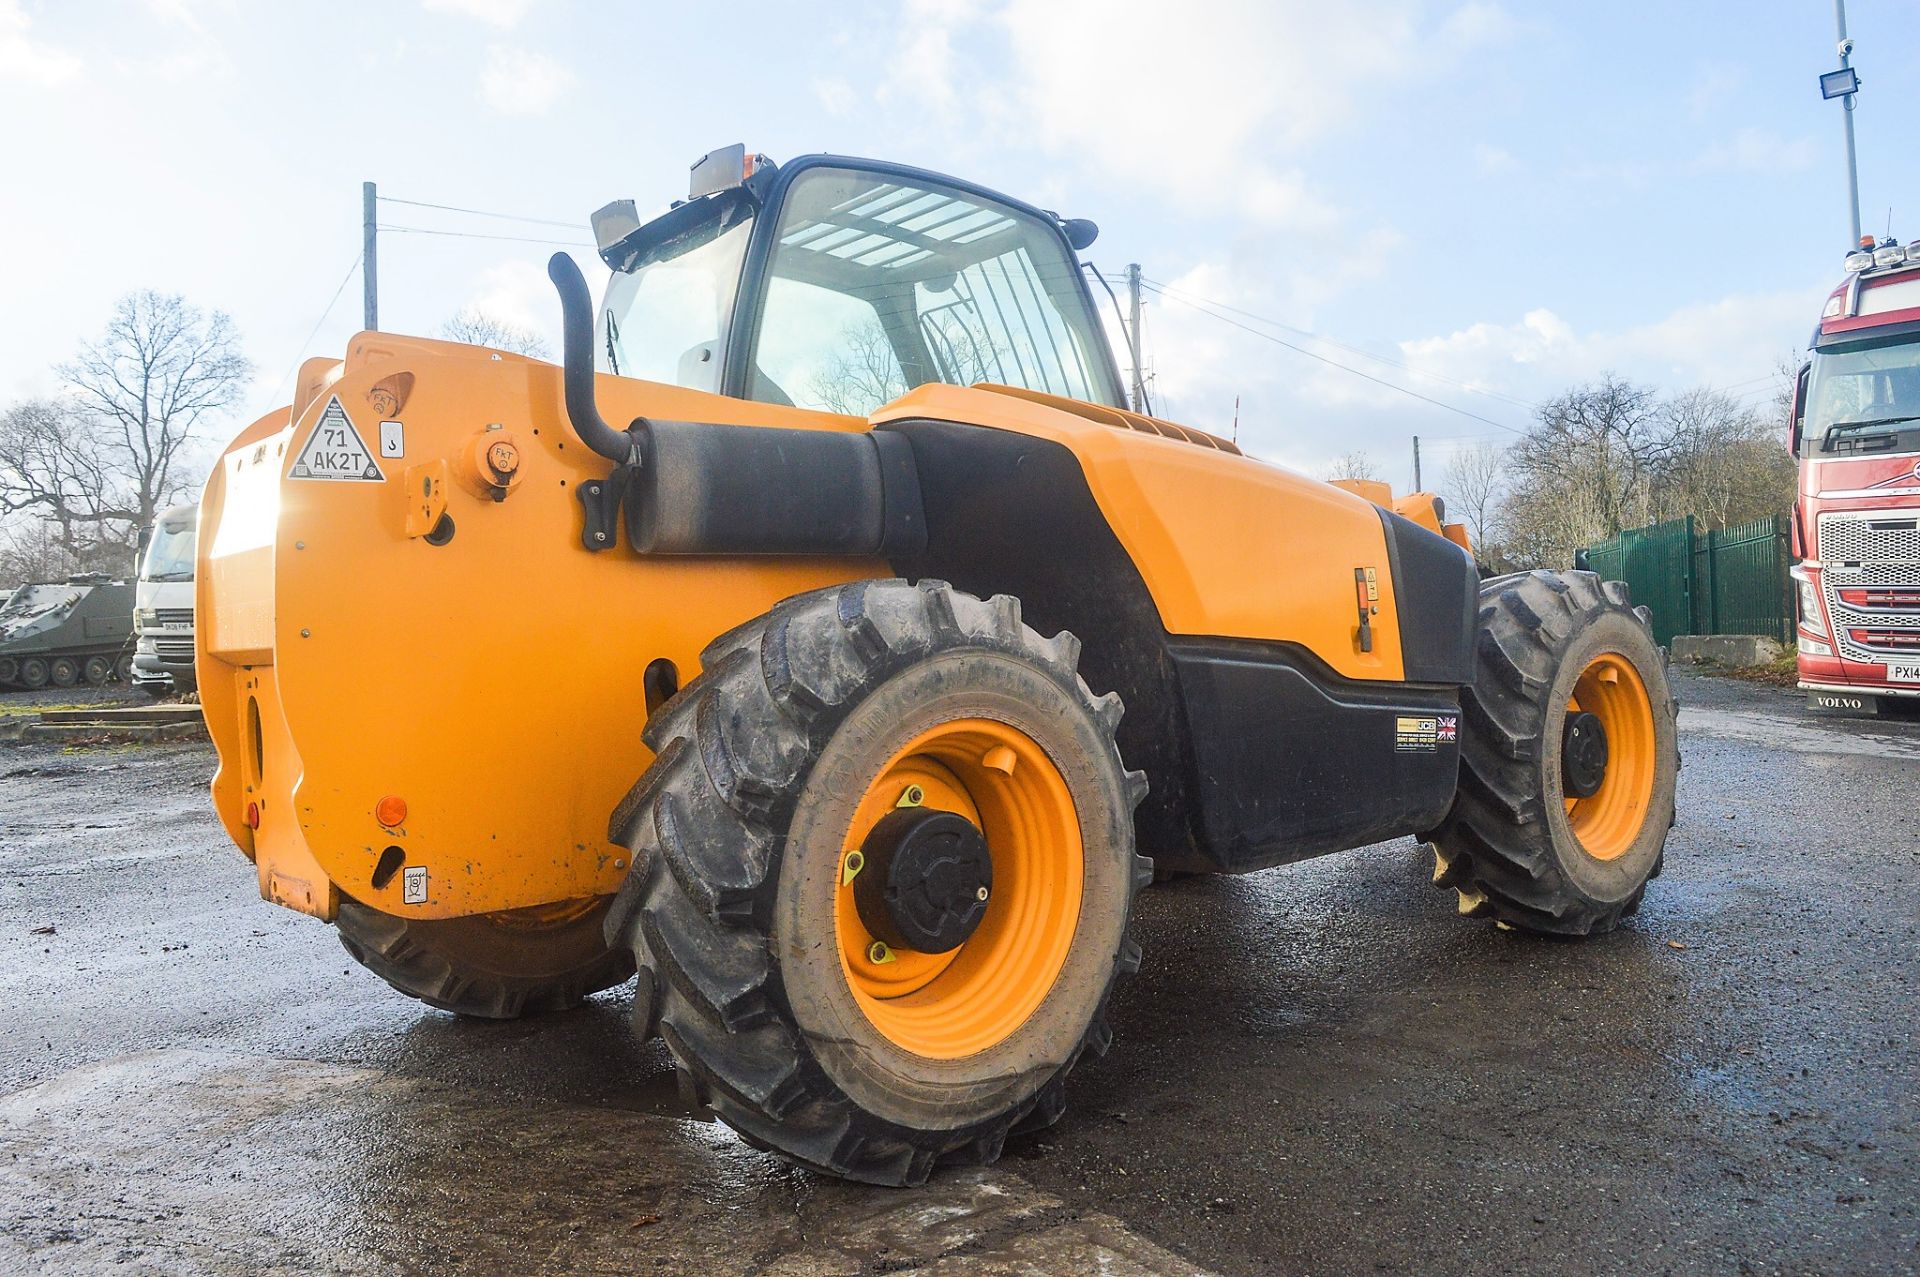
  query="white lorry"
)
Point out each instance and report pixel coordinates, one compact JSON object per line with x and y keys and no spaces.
{"x":163,"y":605}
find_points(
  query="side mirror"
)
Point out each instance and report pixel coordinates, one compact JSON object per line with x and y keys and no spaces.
{"x":1080,"y":233}
{"x":1796,"y":413}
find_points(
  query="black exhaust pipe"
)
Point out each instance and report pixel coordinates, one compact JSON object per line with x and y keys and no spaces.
{"x":576,"y":329}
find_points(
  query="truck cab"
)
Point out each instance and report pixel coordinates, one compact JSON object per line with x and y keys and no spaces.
{"x":1855,"y":431}
{"x":163,"y":606}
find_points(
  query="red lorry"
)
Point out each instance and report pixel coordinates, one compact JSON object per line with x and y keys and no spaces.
{"x":1856,"y":529}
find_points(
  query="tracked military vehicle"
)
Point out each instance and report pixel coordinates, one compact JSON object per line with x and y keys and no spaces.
{"x":64,"y":633}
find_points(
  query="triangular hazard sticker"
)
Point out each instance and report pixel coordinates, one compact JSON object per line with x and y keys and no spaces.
{"x":335,"y":450}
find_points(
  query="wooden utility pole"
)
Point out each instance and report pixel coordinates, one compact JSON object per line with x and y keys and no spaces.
{"x":369,"y":262}
{"x":1133,"y":336}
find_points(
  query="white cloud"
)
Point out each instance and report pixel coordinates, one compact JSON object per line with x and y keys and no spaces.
{"x":177,"y":13}
{"x":1717,"y":87}
{"x":518,"y":293}
{"x":1219,"y":92}
{"x":1493,"y":161}
{"x":1719,"y":342}
{"x":522,"y":82}
{"x":26,"y":60}
{"x":1757,"y":151}
{"x":836,"y":97}
{"x":503,"y":14}
{"x":1303,"y":411}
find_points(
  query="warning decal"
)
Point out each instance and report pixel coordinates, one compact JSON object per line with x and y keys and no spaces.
{"x":335,"y":450}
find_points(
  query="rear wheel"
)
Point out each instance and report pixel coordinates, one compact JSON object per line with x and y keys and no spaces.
{"x":97,"y":670}
{"x":63,"y":671}
{"x":884,"y":863}
{"x":1568,"y":758}
{"x":494,"y":966}
{"x":33,"y":673}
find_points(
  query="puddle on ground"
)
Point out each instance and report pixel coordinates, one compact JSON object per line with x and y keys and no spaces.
{"x":222,"y":1163}
{"x":1800,"y":737}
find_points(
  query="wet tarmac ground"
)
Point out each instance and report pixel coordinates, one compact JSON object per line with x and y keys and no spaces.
{"x":1318,"y":1070}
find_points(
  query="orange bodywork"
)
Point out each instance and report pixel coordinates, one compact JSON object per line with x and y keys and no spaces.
{"x":491,"y":687}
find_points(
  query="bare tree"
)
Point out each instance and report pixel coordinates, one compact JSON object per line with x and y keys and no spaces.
{"x":1474,"y":486}
{"x":161,"y":367}
{"x":55,"y":478}
{"x":860,"y":375}
{"x":1354,"y":465}
{"x":1726,"y":463}
{"x":31,"y":550}
{"x":1786,"y":375}
{"x":476,"y":327}
{"x":1585,"y":472}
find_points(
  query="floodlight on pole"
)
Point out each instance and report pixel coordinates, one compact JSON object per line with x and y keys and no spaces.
{"x":1845,"y":84}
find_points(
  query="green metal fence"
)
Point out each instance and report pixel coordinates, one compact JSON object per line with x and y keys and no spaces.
{"x":1723,"y":581}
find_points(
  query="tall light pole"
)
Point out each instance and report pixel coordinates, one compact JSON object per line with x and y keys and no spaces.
{"x":1844,"y":84}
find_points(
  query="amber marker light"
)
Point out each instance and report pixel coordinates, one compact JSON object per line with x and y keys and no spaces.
{"x":391,"y":811}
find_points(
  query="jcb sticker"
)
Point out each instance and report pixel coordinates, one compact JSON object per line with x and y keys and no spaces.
{"x":1424,"y":734}
{"x":413,"y":885}
{"x":335,"y":450}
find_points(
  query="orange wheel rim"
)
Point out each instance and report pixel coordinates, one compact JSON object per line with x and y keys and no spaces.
{"x":1608,"y":823}
{"x":954,"y":1004}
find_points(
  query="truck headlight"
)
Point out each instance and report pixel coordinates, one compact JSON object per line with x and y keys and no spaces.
{"x":1814,"y":647}
{"x":1810,"y":606}
{"x":144,"y":646}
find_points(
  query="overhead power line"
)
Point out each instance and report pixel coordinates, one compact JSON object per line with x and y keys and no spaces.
{"x":1347,"y":368}
{"x":481,"y":212}
{"x":280,"y":388}
{"x":1470,"y":388}
{"x":513,"y":239}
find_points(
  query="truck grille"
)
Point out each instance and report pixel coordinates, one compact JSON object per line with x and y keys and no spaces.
{"x":173,"y":616}
{"x":1869,"y":537}
{"x":1898,"y":642}
{"x":1870,"y":576}
{"x":173,"y":649}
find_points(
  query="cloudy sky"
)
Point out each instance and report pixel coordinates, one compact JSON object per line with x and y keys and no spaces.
{"x":1483,"y":202}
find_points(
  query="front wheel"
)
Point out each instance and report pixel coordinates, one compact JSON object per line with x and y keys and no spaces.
{"x":1568,"y":758}
{"x":883,"y":868}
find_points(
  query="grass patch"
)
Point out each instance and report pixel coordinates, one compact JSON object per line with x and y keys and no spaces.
{"x":13,"y":709}
{"x":1782,"y":671}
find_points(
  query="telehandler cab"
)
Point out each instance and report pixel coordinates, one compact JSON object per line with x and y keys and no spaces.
{"x":851,"y":686}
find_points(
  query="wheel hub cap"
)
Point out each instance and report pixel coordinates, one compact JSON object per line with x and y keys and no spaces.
{"x":926,"y":881}
{"x":1583,"y":755}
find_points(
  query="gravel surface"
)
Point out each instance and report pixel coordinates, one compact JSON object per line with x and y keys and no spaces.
{"x":1318,"y":1070}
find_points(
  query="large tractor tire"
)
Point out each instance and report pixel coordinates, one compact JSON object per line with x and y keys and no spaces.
{"x":884,"y":864}
{"x":495,"y":966}
{"x":1568,"y":759}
